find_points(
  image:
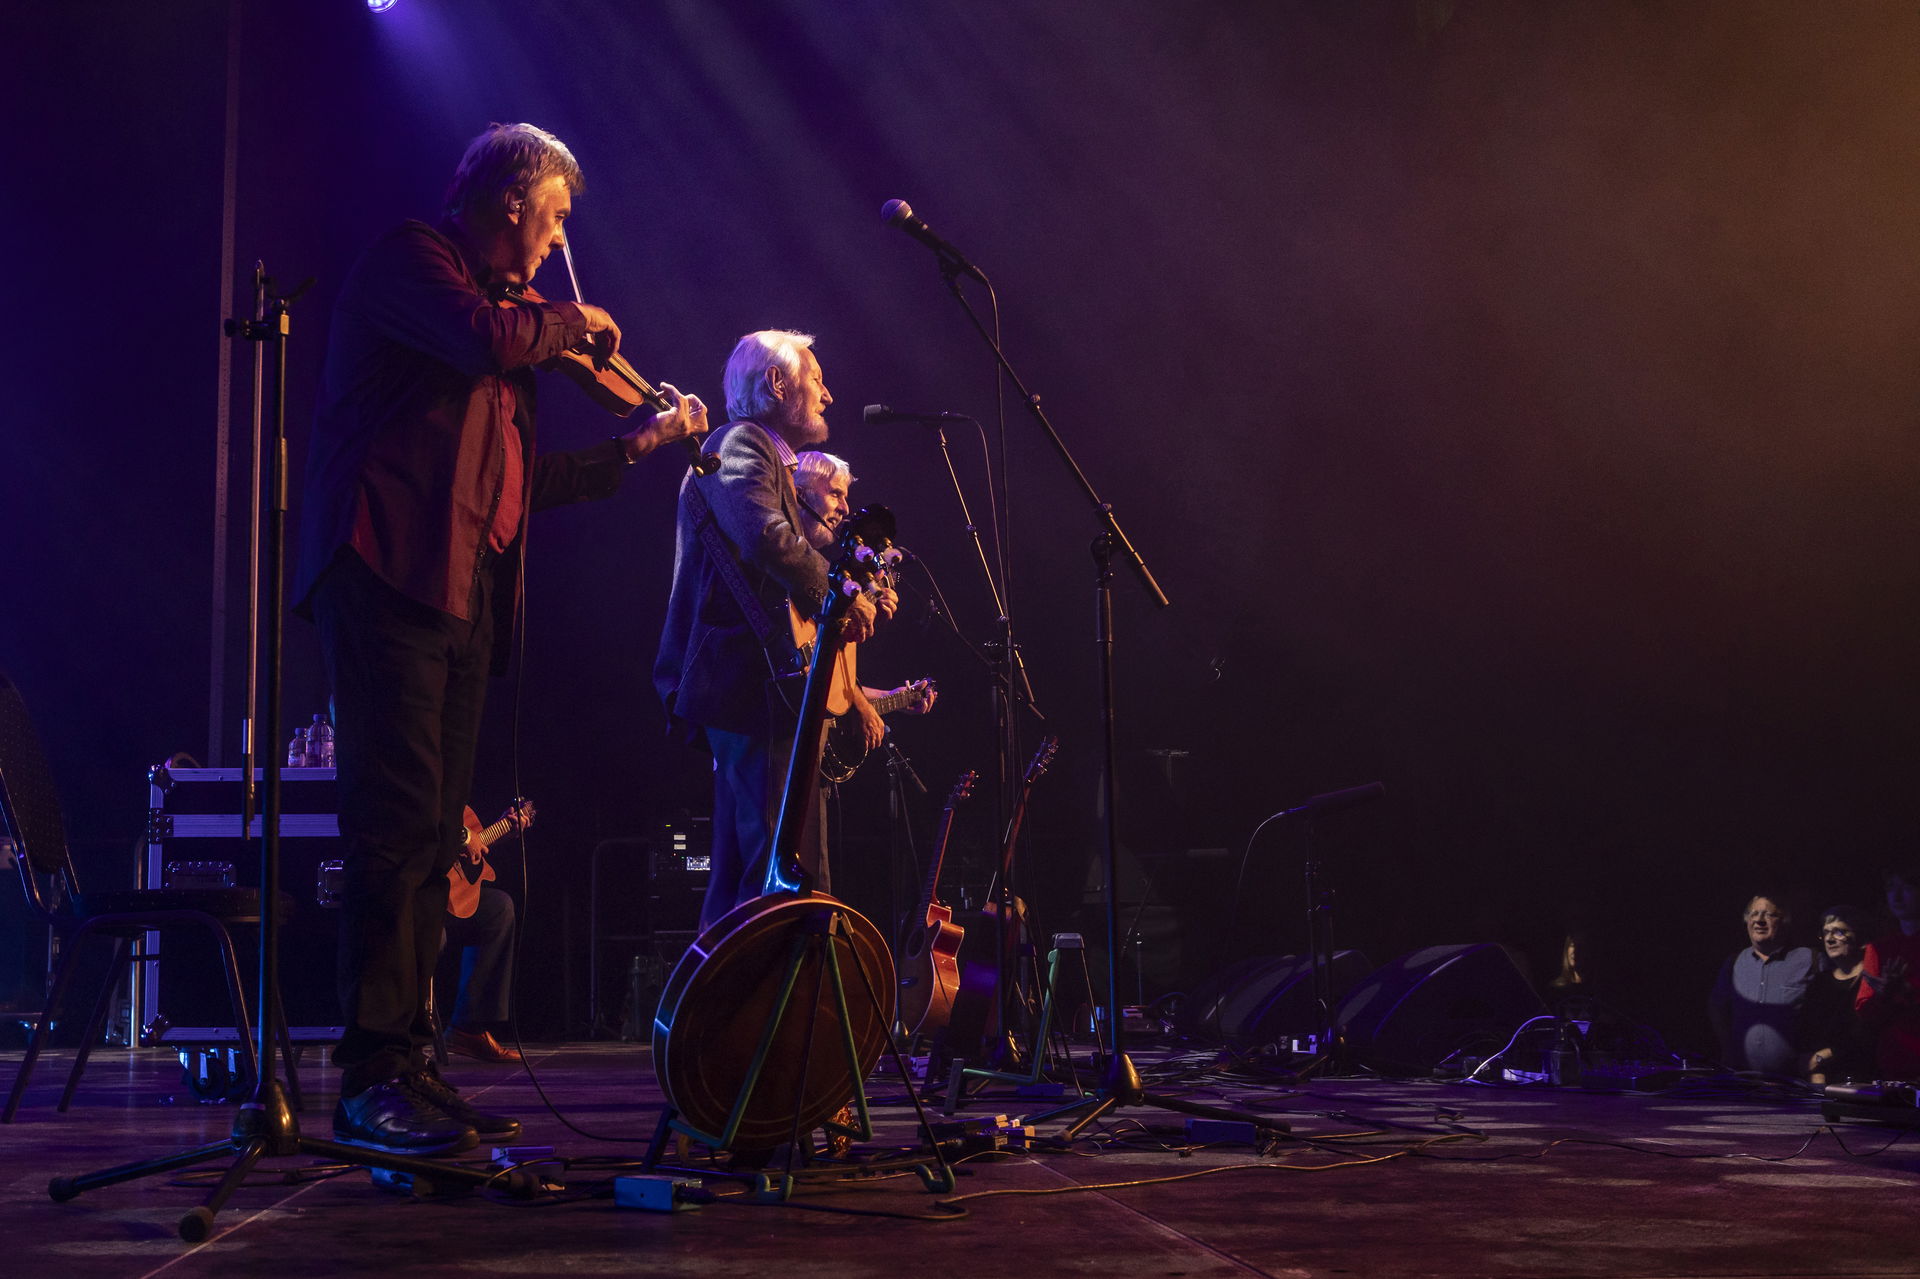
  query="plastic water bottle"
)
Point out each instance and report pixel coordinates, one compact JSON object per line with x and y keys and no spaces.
{"x":320,"y":743}
{"x":297,"y":749}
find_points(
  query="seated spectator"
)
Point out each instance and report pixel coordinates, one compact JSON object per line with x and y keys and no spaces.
{"x":1755,"y":1004}
{"x":1837,"y":1048}
{"x":485,"y":941}
{"x":1888,"y":1000}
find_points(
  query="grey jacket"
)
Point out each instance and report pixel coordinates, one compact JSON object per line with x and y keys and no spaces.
{"x":711,"y":671}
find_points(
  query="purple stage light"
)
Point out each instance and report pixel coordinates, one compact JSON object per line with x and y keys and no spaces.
{"x":381,"y":6}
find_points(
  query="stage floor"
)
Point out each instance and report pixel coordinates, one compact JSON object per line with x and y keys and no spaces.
{"x":1381,"y":1178}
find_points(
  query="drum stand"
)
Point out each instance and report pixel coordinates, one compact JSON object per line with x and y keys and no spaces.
{"x":814,"y":939}
{"x":817,"y":942}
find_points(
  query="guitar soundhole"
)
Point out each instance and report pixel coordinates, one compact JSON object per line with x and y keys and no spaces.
{"x":916,"y":945}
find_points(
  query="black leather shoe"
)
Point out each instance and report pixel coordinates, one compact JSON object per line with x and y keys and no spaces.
{"x":443,"y":1095}
{"x":397,"y":1118}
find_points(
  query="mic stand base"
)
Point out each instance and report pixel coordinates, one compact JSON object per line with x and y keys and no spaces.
{"x":266,"y":1129}
{"x":1122,"y":1086}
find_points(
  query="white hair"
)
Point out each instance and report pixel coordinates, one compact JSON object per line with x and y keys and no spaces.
{"x":815,"y":465}
{"x":745,"y":382}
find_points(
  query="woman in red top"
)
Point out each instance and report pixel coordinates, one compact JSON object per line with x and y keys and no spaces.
{"x":1889,"y":997}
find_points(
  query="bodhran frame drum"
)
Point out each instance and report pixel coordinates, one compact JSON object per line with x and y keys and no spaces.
{"x":798,"y":986}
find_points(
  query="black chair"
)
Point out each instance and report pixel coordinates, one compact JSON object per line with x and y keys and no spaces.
{"x":30,"y":809}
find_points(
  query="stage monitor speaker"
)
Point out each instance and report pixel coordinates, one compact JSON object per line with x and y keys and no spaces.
{"x":1277,"y":999}
{"x":1408,"y":1017}
{"x":1258,"y":1000}
{"x":1198,"y":1012}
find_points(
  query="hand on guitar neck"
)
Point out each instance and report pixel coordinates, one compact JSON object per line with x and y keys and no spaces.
{"x":471,"y":869}
{"x":860,"y":730}
{"x":870,"y":704}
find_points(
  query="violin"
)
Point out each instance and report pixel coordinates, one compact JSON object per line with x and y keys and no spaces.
{"x":614,"y":385}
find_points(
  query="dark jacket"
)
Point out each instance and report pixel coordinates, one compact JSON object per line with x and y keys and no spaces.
{"x":711,"y":670}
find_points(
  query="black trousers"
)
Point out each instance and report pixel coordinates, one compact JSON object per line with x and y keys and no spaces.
{"x":409,"y":683}
{"x":485,"y":942}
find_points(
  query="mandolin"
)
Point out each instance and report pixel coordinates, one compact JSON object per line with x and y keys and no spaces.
{"x":472,"y":868}
{"x":929,"y":962}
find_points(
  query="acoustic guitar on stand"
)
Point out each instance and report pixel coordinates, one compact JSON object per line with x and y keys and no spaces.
{"x":975,"y":1015}
{"x":929,"y":962}
{"x":472,"y":869}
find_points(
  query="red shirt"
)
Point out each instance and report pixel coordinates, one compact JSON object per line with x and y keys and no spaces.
{"x":1896,"y":1027}
{"x":426,"y":422}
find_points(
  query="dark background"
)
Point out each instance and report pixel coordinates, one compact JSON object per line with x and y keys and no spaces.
{"x":1515,"y":399}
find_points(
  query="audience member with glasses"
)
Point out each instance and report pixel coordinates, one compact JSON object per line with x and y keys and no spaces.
{"x":1837,"y":1048}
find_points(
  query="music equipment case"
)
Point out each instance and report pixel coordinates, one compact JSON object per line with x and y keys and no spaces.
{"x":194,"y":840}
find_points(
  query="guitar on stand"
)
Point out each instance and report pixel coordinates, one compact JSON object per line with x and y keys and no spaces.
{"x":472,"y":869}
{"x":929,"y":963}
{"x":992,"y":943}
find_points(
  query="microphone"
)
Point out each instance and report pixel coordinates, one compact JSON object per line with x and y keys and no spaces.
{"x":885,"y":415}
{"x":899,"y":213}
{"x":1340,"y":799}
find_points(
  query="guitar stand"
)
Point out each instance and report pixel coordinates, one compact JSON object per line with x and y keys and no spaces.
{"x":816,"y":938}
{"x":1037,"y":1059}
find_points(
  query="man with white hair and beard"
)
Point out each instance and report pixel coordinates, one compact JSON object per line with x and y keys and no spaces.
{"x":741,"y":552}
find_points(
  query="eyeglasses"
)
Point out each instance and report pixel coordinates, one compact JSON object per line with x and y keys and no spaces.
{"x":1754,"y":916}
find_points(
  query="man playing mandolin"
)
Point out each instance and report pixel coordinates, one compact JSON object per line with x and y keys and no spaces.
{"x":740,"y":554}
{"x":823,"y":481}
{"x":421,"y":472}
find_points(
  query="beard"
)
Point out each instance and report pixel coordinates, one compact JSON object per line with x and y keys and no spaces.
{"x":801,"y":428}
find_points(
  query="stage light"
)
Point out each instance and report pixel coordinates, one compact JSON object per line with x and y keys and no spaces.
{"x":381,"y":6}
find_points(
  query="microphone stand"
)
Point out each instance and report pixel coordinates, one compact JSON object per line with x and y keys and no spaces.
{"x":1120,"y":1084}
{"x":900,"y":775}
{"x":1008,"y":697}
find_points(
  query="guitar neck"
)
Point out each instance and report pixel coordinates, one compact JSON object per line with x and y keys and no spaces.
{"x":891,"y":702}
{"x":1041,"y":759}
{"x":961,"y":789}
{"x":939,"y":856}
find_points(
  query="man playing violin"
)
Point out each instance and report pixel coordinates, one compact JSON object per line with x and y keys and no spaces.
{"x":741,"y":552}
{"x":420,"y":476}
